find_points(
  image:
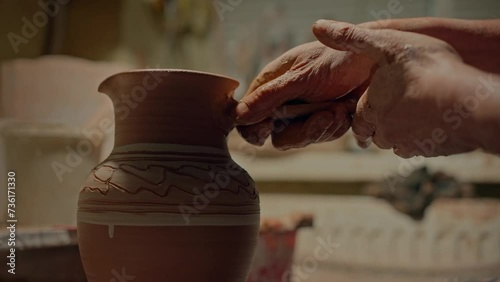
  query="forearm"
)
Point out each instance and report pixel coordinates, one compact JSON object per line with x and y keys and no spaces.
{"x":477,"y":41}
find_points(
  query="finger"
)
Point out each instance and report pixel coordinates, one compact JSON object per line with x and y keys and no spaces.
{"x":362,"y":129}
{"x":342,"y":120}
{"x":256,"y":134}
{"x":377,"y":44}
{"x":351,"y":99}
{"x":260,"y":104}
{"x":378,"y":140}
{"x":404,"y":153}
{"x":271,"y":71}
{"x":356,"y":94}
{"x":344,"y":127}
{"x":343,"y":109}
{"x":300,"y":133}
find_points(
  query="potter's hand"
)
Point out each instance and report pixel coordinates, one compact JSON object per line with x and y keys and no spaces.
{"x":310,"y":73}
{"x":418,"y":80}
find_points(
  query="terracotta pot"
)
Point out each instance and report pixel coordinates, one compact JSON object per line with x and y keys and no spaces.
{"x":169,"y":204}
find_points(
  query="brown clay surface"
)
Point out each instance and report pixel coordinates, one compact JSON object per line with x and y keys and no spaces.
{"x":168,"y":107}
{"x":170,"y":253}
{"x":171,"y":106}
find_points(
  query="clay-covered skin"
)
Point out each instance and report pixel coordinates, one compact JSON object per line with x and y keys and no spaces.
{"x":311,"y":72}
{"x":474,"y":40}
{"x":418,"y":90}
{"x":419,"y":82}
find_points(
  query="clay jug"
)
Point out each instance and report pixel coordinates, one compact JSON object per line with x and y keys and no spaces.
{"x":169,"y":203}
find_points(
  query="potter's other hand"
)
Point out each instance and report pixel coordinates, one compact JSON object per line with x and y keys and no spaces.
{"x":410,"y":101}
{"x":310,"y":73}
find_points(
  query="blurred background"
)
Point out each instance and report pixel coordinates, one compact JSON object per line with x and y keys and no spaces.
{"x":379,"y":217}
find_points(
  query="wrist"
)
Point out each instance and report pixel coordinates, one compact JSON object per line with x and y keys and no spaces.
{"x":486,"y":118}
{"x":480,"y":101}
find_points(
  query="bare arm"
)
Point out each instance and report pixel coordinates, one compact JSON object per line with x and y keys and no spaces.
{"x":476,"y":115}
{"x":477,"y":41}
{"x":422,"y":99}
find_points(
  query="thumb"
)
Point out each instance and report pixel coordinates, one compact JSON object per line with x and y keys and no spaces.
{"x":349,"y":37}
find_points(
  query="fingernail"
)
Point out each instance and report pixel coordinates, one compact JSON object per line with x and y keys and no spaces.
{"x":322,"y":25}
{"x":241,"y":109}
{"x":240,"y":113}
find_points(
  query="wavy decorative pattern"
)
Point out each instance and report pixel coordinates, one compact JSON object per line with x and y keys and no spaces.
{"x":153,"y":179}
{"x":142,"y":180}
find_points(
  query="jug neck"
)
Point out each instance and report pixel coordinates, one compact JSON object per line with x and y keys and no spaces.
{"x":171,"y":106}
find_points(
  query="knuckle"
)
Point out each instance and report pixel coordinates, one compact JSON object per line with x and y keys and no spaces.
{"x":360,"y":130}
{"x":409,"y":52}
{"x":357,"y":40}
{"x":381,"y":142}
{"x":263,"y":91}
{"x":348,"y":33}
{"x":285,"y":62}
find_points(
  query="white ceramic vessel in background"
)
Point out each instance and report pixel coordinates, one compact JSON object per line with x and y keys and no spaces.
{"x":458,"y":238}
